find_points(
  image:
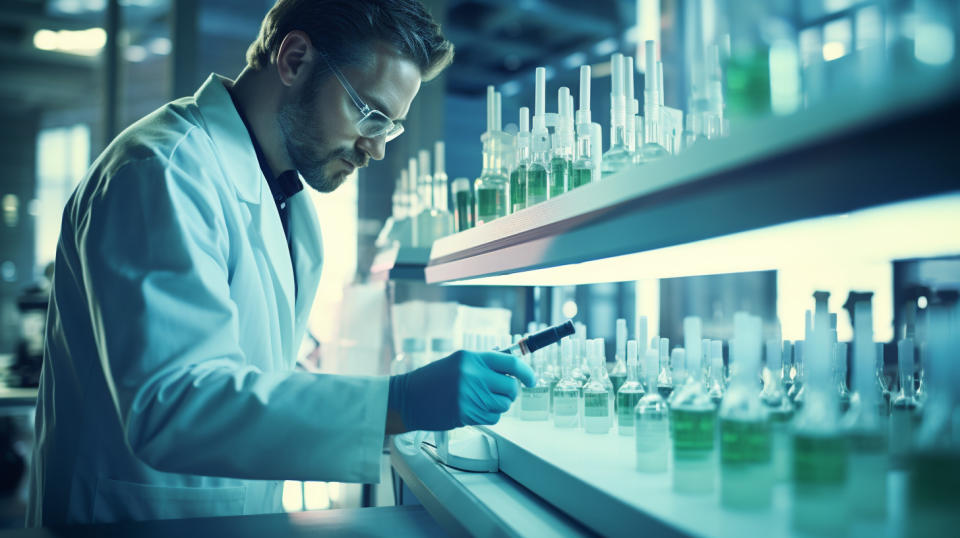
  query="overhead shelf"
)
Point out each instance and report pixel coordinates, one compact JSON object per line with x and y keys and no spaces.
{"x":399,"y":263}
{"x":872,"y":150}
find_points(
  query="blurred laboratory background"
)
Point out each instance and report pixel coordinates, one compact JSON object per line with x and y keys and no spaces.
{"x":696,"y":168}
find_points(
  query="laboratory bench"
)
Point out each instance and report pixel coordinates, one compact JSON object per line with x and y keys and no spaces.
{"x":394,"y":521}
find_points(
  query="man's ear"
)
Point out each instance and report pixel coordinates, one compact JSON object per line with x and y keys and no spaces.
{"x":295,"y":55}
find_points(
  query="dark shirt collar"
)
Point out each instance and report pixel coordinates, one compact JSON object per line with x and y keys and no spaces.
{"x":282,"y":186}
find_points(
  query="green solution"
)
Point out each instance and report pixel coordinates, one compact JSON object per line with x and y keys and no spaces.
{"x":819,"y":481}
{"x":561,"y":171}
{"x":693,"y":437}
{"x":491,"y":203}
{"x":566,"y":406}
{"x":463,"y":210}
{"x":652,"y":435}
{"x":535,"y":403}
{"x":867,"y":469}
{"x":932,"y":501}
{"x":746,"y":463}
{"x":596,"y":410}
{"x":518,"y":188}
{"x":626,"y":402}
{"x":536,"y":184}
{"x":782,"y":445}
{"x":580,"y":177}
{"x":748,"y":83}
{"x":617,"y":380}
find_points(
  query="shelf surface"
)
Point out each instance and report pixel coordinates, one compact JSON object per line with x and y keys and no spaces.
{"x":592,"y":478}
{"x":849,"y":154}
{"x":399,"y":263}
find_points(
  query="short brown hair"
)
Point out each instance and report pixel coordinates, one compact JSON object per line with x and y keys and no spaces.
{"x":346,"y":30}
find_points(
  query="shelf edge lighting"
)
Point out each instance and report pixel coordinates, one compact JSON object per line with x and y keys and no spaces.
{"x":923,"y":228}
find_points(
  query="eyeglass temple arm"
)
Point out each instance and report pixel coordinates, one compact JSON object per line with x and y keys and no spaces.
{"x":354,"y":96}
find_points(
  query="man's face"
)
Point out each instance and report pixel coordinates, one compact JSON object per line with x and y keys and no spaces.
{"x":318,"y":120}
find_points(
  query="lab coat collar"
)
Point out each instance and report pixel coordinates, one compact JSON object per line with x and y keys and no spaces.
{"x":230,"y":136}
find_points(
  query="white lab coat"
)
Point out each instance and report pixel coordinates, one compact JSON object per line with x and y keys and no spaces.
{"x":168,"y":387}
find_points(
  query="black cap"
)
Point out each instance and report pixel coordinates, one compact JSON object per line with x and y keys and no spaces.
{"x":548,"y":336}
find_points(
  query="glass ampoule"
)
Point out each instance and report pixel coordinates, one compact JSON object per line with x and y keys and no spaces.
{"x":538,"y":175}
{"x":819,"y":446}
{"x":934,"y":465}
{"x":718,"y":380}
{"x":693,"y":417}
{"x":518,"y":177}
{"x":867,"y":433}
{"x":600,"y":350}
{"x":597,"y":410}
{"x":618,"y":374}
{"x":746,"y":436}
{"x":566,"y":393}
{"x":535,"y":400}
{"x":665,"y":374}
{"x":840,"y":372}
{"x":583,"y":159}
{"x":652,"y":148}
{"x":652,"y":422}
{"x":779,"y":407}
{"x":561,"y":161}
{"x":904,"y":412}
{"x":617,"y":157}
{"x":491,"y":189}
{"x":629,"y":393}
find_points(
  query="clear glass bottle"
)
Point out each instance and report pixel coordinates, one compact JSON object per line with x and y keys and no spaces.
{"x":538,"y":176}
{"x":789,"y":371}
{"x":518,"y":177}
{"x":652,"y":148}
{"x":491,"y":189}
{"x":597,"y":410}
{"x":905,"y":412}
{"x":934,"y":466}
{"x":883,"y":382}
{"x":629,"y":393}
{"x":867,"y":464}
{"x":599,"y":349}
{"x":652,"y":422}
{"x":617,"y":157}
{"x":779,"y":407}
{"x":561,"y":162}
{"x":746,"y":436}
{"x":718,"y":383}
{"x":582,"y":172}
{"x":618,"y":374}
{"x":535,"y":400}
{"x":693,"y":417}
{"x":819,"y":446}
{"x":566,"y":393}
{"x":840,"y":371}
{"x":665,"y":375}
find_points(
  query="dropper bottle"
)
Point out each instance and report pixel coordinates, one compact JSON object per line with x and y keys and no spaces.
{"x":491,"y":188}
{"x":746,"y":470}
{"x":583,"y":165}
{"x":566,"y":394}
{"x":868,"y":460}
{"x":537,"y":175}
{"x":652,"y":422}
{"x":629,"y":392}
{"x":597,"y":411}
{"x":664,"y":382}
{"x":618,"y":156}
{"x":819,"y":447}
{"x":561,"y":164}
{"x":518,"y":178}
{"x":905,"y":410}
{"x":619,"y":372}
{"x":652,"y":148}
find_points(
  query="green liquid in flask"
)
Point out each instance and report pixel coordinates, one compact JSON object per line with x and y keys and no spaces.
{"x":693,"y":450}
{"x":626,"y":402}
{"x":491,"y":204}
{"x":932,"y":502}
{"x":518,"y":188}
{"x":596,"y":412}
{"x":463,"y":207}
{"x":536,"y":184}
{"x":580,"y":177}
{"x":819,"y":481}
{"x":746,"y":469}
{"x":560,"y":171}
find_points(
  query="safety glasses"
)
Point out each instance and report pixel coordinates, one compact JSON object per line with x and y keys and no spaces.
{"x":372,"y":123}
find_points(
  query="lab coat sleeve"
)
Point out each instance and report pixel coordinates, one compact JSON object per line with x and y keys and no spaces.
{"x":154,"y":248}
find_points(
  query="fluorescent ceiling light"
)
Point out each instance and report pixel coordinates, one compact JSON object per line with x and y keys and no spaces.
{"x":87,"y":42}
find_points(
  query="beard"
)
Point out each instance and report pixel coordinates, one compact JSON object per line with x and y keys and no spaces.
{"x":298,"y":123}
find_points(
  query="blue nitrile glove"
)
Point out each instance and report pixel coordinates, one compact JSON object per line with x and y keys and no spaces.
{"x":467,"y":387}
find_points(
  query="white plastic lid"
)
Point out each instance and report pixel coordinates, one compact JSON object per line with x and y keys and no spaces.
{"x":460,"y":184}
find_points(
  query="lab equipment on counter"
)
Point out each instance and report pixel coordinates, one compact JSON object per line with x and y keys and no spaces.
{"x":491,"y":189}
{"x":538,"y":179}
{"x":630,"y":392}
{"x":518,"y":177}
{"x":617,"y":157}
{"x":693,"y":418}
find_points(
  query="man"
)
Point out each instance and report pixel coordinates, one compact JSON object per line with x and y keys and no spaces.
{"x":186,"y":265}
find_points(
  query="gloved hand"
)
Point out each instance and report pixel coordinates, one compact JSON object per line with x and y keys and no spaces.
{"x":464,"y":388}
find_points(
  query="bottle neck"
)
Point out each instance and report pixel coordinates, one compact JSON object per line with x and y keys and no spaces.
{"x":584,"y":146}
